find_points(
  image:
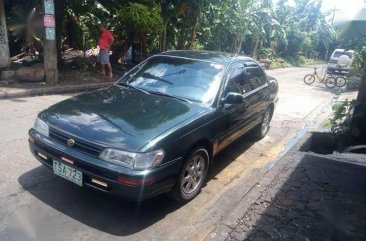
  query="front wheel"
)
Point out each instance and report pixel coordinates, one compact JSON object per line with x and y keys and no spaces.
{"x":330,"y":82}
{"x":309,"y":79}
{"x":341,"y":81}
{"x":192,"y":175}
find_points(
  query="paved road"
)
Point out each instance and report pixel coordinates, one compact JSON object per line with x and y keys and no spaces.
{"x":39,"y":206}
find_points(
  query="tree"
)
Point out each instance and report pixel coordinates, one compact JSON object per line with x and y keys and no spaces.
{"x":4,"y":46}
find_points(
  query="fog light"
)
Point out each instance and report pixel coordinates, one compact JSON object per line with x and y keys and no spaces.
{"x":43,"y":156}
{"x":104,"y":184}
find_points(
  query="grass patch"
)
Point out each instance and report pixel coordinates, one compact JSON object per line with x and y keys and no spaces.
{"x":294,"y":62}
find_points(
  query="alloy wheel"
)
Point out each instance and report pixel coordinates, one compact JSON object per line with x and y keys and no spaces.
{"x":194,"y":174}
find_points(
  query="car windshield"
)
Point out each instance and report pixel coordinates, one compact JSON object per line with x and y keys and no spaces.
{"x":193,"y":80}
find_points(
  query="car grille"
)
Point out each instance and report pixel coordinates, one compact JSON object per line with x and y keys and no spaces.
{"x":80,"y":145}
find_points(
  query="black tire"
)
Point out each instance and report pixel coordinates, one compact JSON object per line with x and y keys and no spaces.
{"x":186,"y":187}
{"x":309,"y":79}
{"x":330,"y":82}
{"x":260,"y":131}
{"x":341,"y":81}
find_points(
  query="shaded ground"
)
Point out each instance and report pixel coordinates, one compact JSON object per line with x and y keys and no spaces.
{"x":312,"y":198}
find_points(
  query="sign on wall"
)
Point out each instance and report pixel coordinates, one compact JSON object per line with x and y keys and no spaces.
{"x":49,"y":21}
{"x":50,"y":33}
{"x":49,"y":7}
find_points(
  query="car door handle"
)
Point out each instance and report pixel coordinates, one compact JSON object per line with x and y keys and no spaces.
{"x":245,"y":106}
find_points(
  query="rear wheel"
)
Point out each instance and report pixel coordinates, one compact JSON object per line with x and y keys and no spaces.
{"x":309,"y":79}
{"x":262,"y":129}
{"x":330,"y":82}
{"x":341,"y":81}
{"x":192,"y":175}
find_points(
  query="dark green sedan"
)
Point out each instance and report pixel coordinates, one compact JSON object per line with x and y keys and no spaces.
{"x":157,"y":129}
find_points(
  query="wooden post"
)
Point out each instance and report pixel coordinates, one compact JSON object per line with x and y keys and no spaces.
{"x":49,"y":42}
{"x":4,"y":42}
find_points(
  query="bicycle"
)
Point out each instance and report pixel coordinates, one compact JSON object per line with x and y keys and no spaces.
{"x":329,"y":81}
{"x":340,"y":81}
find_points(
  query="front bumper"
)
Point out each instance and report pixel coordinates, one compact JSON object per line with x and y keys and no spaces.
{"x":142,"y":184}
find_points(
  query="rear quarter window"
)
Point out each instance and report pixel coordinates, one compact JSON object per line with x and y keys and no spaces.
{"x":255,"y":77}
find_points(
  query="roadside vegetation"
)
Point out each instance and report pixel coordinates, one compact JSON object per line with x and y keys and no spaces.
{"x":285,"y":34}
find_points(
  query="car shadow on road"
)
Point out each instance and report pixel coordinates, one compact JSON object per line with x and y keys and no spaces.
{"x":228,"y":155}
{"x":108,"y":213}
{"x":104,"y":212}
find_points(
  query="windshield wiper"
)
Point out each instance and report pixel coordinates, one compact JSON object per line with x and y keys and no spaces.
{"x":133,"y":87}
{"x":170,"y":96}
{"x":150,"y":76}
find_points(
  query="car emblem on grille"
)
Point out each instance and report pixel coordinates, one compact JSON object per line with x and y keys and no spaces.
{"x":70,"y":142}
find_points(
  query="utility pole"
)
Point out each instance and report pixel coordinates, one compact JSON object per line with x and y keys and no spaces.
{"x":4,"y":42}
{"x":334,"y":10}
{"x":49,"y":42}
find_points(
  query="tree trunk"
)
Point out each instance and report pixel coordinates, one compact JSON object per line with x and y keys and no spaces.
{"x":255,"y":48}
{"x":358,"y":127}
{"x":4,"y":41}
{"x":193,"y":35}
{"x":181,"y":39}
{"x":163,"y":38}
{"x":239,"y":44}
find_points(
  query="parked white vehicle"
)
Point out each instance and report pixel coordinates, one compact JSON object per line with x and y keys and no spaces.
{"x":340,"y":61}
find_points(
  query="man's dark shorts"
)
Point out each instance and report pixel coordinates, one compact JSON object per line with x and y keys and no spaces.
{"x":103,"y":57}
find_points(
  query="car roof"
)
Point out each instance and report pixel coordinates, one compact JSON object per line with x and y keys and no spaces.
{"x":203,"y":55}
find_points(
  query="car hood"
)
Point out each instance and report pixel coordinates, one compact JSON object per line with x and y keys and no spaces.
{"x":119,"y":117}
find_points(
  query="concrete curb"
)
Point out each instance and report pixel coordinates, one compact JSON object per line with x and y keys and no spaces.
{"x":53,"y":90}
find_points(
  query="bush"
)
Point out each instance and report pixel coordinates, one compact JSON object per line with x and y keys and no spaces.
{"x":265,"y":53}
{"x":358,"y":62}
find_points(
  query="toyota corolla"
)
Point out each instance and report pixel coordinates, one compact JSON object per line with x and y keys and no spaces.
{"x":157,"y":129}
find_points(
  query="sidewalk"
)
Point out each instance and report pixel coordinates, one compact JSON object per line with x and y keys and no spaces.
{"x":306,"y":196}
{"x":32,"y":89}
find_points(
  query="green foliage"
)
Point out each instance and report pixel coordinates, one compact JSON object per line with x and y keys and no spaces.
{"x":358,"y":62}
{"x":265,"y":53}
{"x":342,"y":114}
{"x":256,"y":27}
{"x":140,"y":18}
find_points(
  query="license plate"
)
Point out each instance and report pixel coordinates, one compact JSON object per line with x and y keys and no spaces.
{"x":68,"y":172}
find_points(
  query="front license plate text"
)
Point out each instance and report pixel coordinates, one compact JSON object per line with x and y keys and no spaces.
{"x":68,"y":172}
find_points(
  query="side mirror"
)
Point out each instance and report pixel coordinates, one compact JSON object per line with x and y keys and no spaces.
{"x":233,"y":98}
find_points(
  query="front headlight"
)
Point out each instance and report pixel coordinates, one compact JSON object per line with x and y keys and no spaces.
{"x":41,"y":127}
{"x":140,"y":161}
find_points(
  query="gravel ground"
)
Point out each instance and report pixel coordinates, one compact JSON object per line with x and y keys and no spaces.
{"x":312,"y":198}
